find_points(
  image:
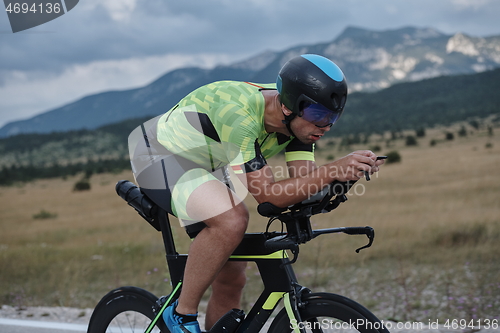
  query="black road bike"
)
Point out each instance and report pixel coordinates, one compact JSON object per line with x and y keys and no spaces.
{"x":132,"y":309}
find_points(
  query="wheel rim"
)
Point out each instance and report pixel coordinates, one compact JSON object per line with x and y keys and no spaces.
{"x":328,"y":325}
{"x":130,"y":322}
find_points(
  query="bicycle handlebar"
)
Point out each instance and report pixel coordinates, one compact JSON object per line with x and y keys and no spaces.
{"x":318,"y":203}
{"x":282,"y":242}
{"x":296,"y":218}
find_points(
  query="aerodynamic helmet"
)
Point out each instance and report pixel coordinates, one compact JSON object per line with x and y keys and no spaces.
{"x":313,"y":87}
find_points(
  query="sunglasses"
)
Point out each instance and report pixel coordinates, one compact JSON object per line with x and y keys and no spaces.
{"x":319,"y":115}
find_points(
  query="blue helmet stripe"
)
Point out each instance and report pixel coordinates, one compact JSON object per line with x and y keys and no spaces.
{"x":279,"y":84}
{"x":326,"y":65}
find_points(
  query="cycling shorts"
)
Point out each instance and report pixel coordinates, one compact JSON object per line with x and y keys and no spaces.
{"x":169,"y":179}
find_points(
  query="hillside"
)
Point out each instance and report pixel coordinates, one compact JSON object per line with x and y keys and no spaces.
{"x":405,"y":106}
{"x":371,"y":60}
{"x":423,"y":104}
{"x":435,"y":254}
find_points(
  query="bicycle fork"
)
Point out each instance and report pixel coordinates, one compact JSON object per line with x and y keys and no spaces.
{"x":293,"y":302}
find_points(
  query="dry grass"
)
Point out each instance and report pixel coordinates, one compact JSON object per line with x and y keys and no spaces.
{"x":436,"y":216}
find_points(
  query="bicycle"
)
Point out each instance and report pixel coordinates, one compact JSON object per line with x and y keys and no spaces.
{"x":303,"y":311}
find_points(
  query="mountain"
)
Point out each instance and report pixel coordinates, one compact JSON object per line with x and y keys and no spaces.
{"x":404,"y":106}
{"x":423,"y":104}
{"x":371,"y":60}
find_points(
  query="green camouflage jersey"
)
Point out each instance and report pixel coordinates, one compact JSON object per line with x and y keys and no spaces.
{"x":222,"y":123}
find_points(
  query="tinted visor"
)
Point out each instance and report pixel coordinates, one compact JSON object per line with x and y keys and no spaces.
{"x":319,"y":115}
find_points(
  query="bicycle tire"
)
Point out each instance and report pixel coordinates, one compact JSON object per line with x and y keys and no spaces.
{"x":324,"y":312}
{"x":126,"y":309}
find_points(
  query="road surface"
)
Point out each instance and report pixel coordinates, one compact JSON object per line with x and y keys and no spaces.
{"x":34,"y":326}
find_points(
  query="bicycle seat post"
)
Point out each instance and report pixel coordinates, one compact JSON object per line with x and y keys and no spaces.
{"x":176,"y":262}
{"x":166,"y":231}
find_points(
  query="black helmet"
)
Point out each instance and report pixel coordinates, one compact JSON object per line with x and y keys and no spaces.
{"x":312,"y":79}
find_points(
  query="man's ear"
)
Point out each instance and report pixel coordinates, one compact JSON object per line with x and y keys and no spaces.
{"x":285,"y":110}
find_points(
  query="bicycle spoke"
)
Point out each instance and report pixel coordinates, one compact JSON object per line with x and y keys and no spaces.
{"x":315,"y":325}
{"x":130,"y":322}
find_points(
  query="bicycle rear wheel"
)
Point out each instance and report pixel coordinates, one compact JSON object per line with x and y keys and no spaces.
{"x":330,"y":313}
{"x":126,"y":309}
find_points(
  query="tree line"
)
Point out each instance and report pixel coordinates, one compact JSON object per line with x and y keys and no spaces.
{"x":14,"y":173}
{"x":413,"y":105}
{"x":423,"y":104}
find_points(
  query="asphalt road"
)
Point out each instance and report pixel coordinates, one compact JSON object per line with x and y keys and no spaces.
{"x":32,"y":326}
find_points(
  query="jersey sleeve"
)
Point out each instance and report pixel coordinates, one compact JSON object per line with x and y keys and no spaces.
{"x":254,"y":164}
{"x":298,"y":151}
{"x":239,"y":131}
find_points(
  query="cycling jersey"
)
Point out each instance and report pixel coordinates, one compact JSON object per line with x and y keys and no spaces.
{"x":223,"y":123}
{"x":216,"y":125}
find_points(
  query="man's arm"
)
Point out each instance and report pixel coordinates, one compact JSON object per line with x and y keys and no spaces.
{"x":264,"y":188}
{"x":300,"y":168}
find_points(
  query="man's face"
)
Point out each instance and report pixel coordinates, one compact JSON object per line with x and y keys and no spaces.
{"x":307,"y":132}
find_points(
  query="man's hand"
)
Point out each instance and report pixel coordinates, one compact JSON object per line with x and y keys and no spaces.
{"x":354,"y":165}
{"x":264,"y":188}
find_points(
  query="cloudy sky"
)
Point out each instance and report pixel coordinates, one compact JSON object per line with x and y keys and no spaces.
{"x":102,"y":45}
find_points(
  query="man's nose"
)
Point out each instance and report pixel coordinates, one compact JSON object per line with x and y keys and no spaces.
{"x":326,"y":128}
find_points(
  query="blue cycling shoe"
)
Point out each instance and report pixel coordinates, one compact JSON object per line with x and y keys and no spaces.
{"x":177,"y":324}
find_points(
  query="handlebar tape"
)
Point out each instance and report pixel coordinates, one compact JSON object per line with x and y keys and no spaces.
{"x":358,"y":230}
{"x":280,"y":243}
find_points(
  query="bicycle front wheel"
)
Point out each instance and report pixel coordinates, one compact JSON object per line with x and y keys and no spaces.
{"x":330,"y":313}
{"x":126,"y":309}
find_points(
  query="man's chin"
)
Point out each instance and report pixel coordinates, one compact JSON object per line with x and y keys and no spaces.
{"x":306,"y":141}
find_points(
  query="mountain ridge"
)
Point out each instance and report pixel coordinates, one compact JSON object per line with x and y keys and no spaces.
{"x":469,"y":100}
{"x":371,"y":60}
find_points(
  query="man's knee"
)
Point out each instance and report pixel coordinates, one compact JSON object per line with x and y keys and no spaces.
{"x":233,"y":222}
{"x":241,"y":218}
{"x":232,"y":277}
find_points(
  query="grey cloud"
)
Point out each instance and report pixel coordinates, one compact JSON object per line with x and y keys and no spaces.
{"x":158,"y":27}
{"x":155,"y":27}
{"x":91,"y":33}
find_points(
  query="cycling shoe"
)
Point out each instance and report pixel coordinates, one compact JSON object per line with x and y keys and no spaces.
{"x":175,"y":322}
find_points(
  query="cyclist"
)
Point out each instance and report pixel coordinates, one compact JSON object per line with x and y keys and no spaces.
{"x":179,"y":161}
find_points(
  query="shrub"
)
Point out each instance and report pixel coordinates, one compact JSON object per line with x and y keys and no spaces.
{"x":330,"y":157}
{"x":43,"y":214}
{"x":88,"y":173}
{"x":82,"y":185}
{"x":411,"y":140}
{"x":393,"y":157}
{"x":420,"y":133}
{"x":462,"y":131}
{"x":449,"y":136}
{"x":474,"y":123}
{"x":432,"y":143}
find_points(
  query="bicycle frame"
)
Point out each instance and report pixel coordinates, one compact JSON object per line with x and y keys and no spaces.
{"x":266,"y":249}
{"x":277,"y":276}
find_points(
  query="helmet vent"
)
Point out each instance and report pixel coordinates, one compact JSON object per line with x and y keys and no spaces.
{"x":335,"y":100}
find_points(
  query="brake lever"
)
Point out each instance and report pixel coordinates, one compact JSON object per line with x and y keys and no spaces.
{"x":367,"y":174}
{"x":295,"y":251}
{"x":370,"y":233}
{"x":335,"y":203}
{"x":283,"y":242}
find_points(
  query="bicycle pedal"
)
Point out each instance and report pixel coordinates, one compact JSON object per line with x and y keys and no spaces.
{"x":159,"y":303}
{"x":229,"y":322}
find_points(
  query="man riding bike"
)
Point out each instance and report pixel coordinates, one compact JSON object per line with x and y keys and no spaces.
{"x":180,"y":158}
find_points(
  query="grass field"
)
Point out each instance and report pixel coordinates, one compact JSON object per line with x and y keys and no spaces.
{"x":436,"y":216}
